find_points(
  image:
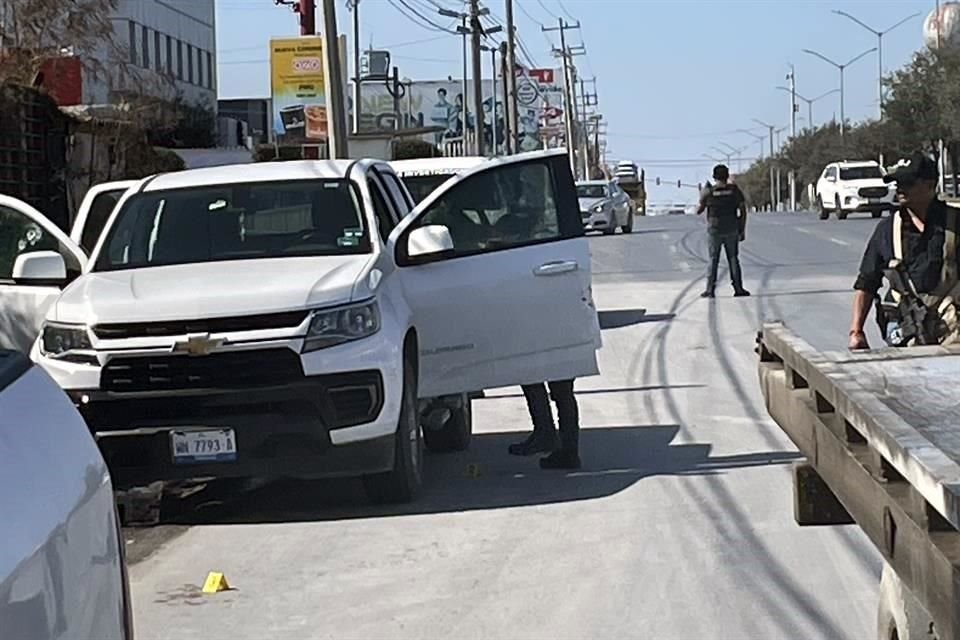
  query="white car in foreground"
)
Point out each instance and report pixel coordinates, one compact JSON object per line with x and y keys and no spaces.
{"x":284,"y":318}
{"x":62,"y":568}
{"x":848,"y":187}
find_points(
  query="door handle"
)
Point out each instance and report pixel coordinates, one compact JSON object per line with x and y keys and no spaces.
{"x":556,"y":268}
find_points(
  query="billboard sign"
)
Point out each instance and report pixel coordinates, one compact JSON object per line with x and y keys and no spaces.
{"x":297,"y":90}
{"x":439,"y":103}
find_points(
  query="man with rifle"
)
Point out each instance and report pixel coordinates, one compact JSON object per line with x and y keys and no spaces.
{"x":917,"y":250}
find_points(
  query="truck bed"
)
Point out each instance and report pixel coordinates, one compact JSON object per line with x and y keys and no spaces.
{"x":882,"y":430}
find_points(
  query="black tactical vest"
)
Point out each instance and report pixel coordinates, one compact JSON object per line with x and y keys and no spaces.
{"x":722,"y":205}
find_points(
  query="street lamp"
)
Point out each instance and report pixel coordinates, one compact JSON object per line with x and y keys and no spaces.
{"x":723,"y":152}
{"x":810,"y":101}
{"x":841,"y":67}
{"x":758,"y":138}
{"x":879,"y":35}
{"x":737,"y":153}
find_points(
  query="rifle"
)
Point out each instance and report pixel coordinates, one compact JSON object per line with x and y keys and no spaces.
{"x":910,"y":313}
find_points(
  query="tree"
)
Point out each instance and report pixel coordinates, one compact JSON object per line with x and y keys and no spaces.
{"x":34,"y":31}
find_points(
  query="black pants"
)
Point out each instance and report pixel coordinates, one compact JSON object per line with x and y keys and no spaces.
{"x":538,"y":402}
{"x":730,"y":242}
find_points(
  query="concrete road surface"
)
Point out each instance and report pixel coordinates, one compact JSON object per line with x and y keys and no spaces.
{"x":679,"y":526}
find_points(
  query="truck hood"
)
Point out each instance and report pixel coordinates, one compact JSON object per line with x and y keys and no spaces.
{"x":214,"y":289}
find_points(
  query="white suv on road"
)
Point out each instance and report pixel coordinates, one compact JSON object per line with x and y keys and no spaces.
{"x":846,"y":187}
{"x":283,"y":318}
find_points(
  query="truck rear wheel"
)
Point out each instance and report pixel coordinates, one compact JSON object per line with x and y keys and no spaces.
{"x":403,"y":482}
{"x":900,"y":615}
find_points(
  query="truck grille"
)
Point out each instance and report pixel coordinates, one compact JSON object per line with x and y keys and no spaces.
{"x":285,"y":320}
{"x":231,"y":370}
{"x":873,"y":192}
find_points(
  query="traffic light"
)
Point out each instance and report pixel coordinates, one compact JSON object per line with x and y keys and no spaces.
{"x":658,"y":181}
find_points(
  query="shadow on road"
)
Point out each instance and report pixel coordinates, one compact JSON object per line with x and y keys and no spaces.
{"x":621,"y":318}
{"x":591,"y":392}
{"x":486,"y":477}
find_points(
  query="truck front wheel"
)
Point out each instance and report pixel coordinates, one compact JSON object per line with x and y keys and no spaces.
{"x":900,"y":615}
{"x":403,"y":482}
{"x":454,"y":434}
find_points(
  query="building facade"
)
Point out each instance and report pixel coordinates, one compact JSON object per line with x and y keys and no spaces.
{"x":166,"y":48}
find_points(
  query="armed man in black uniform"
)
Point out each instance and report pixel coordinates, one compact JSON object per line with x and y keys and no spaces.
{"x":917,"y":250}
{"x":726,"y":228}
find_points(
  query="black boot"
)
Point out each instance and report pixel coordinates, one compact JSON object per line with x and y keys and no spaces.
{"x":543,"y":442}
{"x":707,"y":294}
{"x":741,"y":293}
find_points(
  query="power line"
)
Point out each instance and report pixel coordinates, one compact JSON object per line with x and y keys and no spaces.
{"x":552,"y":14}
{"x":564,"y":9}
{"x":423,"y":21}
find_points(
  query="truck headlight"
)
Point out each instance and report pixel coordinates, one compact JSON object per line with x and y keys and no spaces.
{"x":63,"y":341}
{"x":335,"y":326}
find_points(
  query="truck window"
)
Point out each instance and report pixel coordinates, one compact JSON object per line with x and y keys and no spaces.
{"x":100,"y":210}
{"x":237,"y":222}
{"x":381,"y":211}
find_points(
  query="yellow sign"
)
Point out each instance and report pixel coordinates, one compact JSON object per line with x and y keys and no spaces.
{"x":297,"y":89}
{"x":215,"y":583}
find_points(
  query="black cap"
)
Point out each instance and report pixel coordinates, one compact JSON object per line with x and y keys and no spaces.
{"x":721,"y":172}
{"x":918,"y":166}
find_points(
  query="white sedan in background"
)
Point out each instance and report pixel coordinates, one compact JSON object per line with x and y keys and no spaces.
{"x":604,"y":206}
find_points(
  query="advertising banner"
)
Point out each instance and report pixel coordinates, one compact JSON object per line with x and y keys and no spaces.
{"x":439,"y":103}
{"x":298,"y":91}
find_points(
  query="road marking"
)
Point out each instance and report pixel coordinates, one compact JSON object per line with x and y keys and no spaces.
{"x":840,"y":242}
{"x":673,"y":248}
{"x":685,"y":266}
{"x":806,"y":231}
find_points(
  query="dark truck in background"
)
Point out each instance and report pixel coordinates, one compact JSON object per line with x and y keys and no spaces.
{"x":631,"y":181}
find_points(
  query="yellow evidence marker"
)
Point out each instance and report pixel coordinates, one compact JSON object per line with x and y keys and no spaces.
{"x":215,"y":583}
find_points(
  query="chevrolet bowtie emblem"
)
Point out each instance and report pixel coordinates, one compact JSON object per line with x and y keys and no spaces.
{"x":197,"y":344}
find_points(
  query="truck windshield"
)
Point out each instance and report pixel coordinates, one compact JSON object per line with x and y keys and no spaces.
{"x":236,"y":222}
{"x":591,"y":191}
{"x":422,"y":186}
{"x":860,"y":173}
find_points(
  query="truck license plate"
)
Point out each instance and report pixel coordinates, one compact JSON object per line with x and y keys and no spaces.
{"x":214,"y":445}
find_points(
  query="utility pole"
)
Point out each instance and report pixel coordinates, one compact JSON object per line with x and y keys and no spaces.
{"x":510,"y":76}
{"x":493,"y":112}
{"x":773,"y":192}
{"x":509,"y":133}
{"x":308,"y":17}
{"x":588,"y":100}
{"x":336,"y":103}
{"x":569,"y":93}
{"x":355,"y":6}
{"x":791,"y":176}
{"x":476,"y":30}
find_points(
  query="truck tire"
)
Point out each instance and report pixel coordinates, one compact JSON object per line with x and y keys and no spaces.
{"x":455,"y":433}
{"x":900,"y":616}
{"x":404,"y":481}
{"x":824,"y":212}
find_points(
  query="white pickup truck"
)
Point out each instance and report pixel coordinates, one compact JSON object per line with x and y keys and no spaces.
{"x":284,"y":318}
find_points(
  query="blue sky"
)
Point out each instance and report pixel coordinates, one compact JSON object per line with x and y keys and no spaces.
{"x":674,"y":77}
